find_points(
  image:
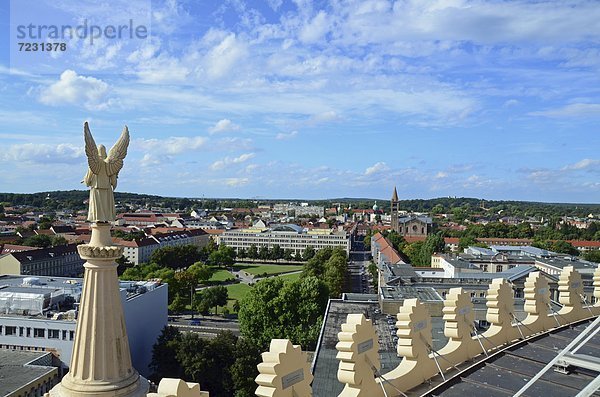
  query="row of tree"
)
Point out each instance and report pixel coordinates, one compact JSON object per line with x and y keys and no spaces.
{"x":224,"y":366}
{"x":331,"y":266}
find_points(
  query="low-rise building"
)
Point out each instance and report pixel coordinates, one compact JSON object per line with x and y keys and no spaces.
{"x":288,"y":236}
{"x":60,"y":261}
{"x":27,"y":373}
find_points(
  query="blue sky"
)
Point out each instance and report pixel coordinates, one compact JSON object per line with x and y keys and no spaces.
{"x":299,"y":99}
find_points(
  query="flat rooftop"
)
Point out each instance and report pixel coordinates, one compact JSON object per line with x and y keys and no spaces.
{"x":325,"y":383}
{"x":424,"y":293}
{"x":15,"y":370}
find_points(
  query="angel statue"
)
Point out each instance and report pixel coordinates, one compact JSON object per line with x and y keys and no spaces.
{"x":102,"y":174}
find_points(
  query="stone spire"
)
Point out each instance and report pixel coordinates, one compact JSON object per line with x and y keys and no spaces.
{"x":395,"y":195}
{"x":394,"y":211}
{"x":101,"y":361}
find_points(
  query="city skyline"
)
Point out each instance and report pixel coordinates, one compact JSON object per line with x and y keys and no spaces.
{"x":340,"y":99}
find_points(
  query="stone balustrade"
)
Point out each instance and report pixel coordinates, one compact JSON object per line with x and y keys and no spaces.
{"x":358,"y":345}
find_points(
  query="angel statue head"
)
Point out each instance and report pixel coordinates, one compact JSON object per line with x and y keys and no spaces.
{"x":102,"y":151}
{"x":102,"y":174}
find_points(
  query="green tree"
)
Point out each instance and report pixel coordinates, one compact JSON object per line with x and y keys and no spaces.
{"x":178,"y":304}
{"x":215,"y":296}
{"x":563,"y":247}
{"x":433,"y":243}
{"x":244,"y":370}
{"x":164,"y":362}
{"x":58,"y":240}
{"x":278,"y":309}
{"x":592,"y":256}
{"x":252,"y":252}
{"x":201,"y":272}
{"x":276,"y":252}
{"x":39,"y":240}
{"x":176,"y":257}
{"x":335,"y":273}
{"x":308,"y":253}
{"x":223,"y":257}
{"x":264,"y":252}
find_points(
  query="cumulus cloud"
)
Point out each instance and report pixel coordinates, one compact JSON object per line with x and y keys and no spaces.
{"x":74,"y":89}
{"x":376,"y":168}
{"x":172,"y":145}
{"x":584,"y":164}
{"x":224,"y":56}
{"x":43,"y":153}
{"x":284,"y":136}
{"x":227,"y":161}
{"x":223,"y":125}
{"x":572,"y":110}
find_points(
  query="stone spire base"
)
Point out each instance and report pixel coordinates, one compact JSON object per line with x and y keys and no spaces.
{"x":101,"y":362}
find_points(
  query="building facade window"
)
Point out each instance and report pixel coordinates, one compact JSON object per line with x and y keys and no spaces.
{"x":53,"y":334}
{"x":39,"y":333}
{"x":10,"y":330}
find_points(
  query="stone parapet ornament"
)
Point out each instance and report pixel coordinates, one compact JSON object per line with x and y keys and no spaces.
{"x":284,"y":371}
{"x":420,"y":362}
{"x":169,"y":387}
{"x":358,"y":352}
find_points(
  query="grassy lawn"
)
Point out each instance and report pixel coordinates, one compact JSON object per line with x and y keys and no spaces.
{"x":269,"y":269}
{"x":290,"y":277}
{"x":221,"y":275}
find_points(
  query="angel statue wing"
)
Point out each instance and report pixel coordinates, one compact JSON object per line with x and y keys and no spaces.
{"x":116,"y":155}
{"x":91,"y":151}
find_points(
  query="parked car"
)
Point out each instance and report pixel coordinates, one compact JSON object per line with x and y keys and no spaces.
{"x":195,"y":321}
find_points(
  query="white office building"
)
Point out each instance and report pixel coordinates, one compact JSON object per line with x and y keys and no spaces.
{"x":39,"y":314}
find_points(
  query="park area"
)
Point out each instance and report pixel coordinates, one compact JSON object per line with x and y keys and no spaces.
{"x":236,"y":292}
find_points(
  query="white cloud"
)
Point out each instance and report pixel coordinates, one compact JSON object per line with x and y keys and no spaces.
{"x":224,"y":125}
{"x":582,"y":165}
{"x":572,"y":110}
{"x":43,"y":153}
{"x":224,"y":56}
{"x":441,"y":175}
{"x":324,"y":117}
{"x":227,"y":161}
{"x":283,"y":136}
{"x":376,"y":168}
{"x":172,"y":145}
{"x":315,"y":29}
{"x":74,"y":89}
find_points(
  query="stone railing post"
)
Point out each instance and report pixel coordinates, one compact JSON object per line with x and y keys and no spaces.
{"x":284,"y":372}
{"x":358,"y":352}
{"x":596,"y":306}
{"x":414,"y":344}
{"x":570,"y":288}
{"x":537,"y":305}
{"x":459,"y":320}
{"x":500,"y":314}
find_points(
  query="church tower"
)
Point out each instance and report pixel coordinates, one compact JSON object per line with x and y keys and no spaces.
{"x":394,"y":210}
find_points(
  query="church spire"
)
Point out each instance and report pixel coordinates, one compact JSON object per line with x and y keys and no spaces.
{"x":395,"y":195}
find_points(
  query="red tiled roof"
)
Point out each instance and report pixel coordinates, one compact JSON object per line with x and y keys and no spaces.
{"x":584,"y":243}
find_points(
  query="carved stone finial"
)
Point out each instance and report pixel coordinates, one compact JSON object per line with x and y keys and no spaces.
{"x":570,"y":288}
{"x":500,"y":314}
{"x":414,"y":330}
{"x":459,"y":317}
{"x":358,"y":352}
{"x":284,"y":372}
{"x":537,"y":304}
{"x":169,"y":387}
{"x":414,"y":342}
{"x":596,"y":307}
